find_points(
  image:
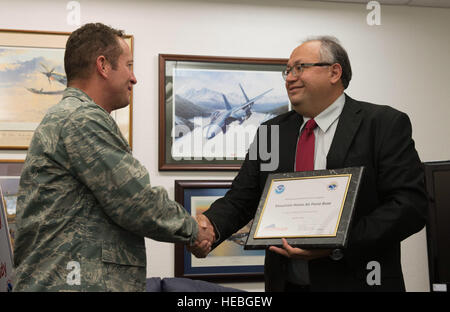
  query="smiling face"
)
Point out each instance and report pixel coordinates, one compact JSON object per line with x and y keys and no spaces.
{"x":122,"y":78}
{"x":310,"y":91}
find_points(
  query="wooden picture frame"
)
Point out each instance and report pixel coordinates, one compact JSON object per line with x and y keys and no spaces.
{"x":228,"y":261}
{"x":33,"y":79}
{"x":210,"y":108}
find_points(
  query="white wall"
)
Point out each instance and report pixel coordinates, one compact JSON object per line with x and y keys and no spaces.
{"x":402,"y":63}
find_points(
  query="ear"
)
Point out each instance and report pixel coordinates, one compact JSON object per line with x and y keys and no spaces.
{"x":335,"y":73}
{"x":102,"y":66}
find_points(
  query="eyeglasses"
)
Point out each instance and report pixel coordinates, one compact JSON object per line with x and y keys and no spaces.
{"x":298,"y":69}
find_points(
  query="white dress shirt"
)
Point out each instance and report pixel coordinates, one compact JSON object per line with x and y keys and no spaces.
{"x":324,"y":133}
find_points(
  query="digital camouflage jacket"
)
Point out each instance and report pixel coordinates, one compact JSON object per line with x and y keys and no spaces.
{"x":85,"y":205}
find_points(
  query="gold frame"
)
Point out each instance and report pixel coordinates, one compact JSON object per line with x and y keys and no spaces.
{"x":54,"y":39}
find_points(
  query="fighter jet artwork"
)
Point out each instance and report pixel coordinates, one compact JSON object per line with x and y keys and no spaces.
{"x":51,"y":76}
{"x":220,"y":119}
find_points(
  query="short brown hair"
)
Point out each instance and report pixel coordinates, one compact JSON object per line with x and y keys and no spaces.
{"x":87,"y":43}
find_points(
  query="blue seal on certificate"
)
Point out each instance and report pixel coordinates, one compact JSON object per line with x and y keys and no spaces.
{"x":279,"y":189}
{"x":332,"y":186}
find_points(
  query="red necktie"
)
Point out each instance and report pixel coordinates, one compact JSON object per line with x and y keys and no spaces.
{"x":304,"y":159}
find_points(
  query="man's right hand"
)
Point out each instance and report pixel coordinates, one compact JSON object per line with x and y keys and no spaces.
{"x":205,"y":239}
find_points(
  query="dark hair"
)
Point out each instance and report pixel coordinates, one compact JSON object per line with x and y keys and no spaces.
{"x":331,"y":51}
{"x":87,"y":43}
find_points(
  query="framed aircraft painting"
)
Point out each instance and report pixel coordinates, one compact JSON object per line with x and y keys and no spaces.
{"x":211,"y":107}
{"x":228,"y":261}
{"x":32,"y":79}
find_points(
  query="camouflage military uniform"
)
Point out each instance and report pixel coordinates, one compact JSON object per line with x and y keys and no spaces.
{"x":84,"y":198}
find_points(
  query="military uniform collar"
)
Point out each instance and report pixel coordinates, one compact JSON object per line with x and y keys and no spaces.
{"x":79,"y":94}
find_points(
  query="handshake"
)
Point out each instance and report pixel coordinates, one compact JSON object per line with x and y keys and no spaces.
{"x":206,"y":237}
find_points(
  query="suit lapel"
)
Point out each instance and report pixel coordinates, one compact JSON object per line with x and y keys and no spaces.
{"x":288,"y":142}
{"x":348,"y":125}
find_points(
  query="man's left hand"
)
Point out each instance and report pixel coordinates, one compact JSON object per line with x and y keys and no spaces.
{"x":297,"y":253}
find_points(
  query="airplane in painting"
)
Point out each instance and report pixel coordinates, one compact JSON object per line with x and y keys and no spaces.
{"x":41,"y":91}
{"x":220,"y":119}
{"x":51,"y":76}
{"x":238,"y":238}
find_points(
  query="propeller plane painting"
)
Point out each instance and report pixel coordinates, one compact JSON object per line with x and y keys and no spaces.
{"x":52,"y":76}
{"x":31,"y":81}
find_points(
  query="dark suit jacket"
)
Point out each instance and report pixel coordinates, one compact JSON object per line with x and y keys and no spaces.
{"x":391,"y":204}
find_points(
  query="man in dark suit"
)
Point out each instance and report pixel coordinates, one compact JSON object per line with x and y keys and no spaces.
{"x":391,"y":204}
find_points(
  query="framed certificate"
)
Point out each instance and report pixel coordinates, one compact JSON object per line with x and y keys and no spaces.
{"x":311,"y":209}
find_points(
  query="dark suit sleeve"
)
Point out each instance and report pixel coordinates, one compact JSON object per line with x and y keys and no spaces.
{"x":238,"y":206}
{"x":399,"y":181}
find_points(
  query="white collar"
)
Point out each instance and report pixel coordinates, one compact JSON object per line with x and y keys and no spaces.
{"x":326,"y":118}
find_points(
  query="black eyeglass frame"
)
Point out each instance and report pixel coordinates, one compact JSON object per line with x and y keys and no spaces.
{"x":298,"y":68}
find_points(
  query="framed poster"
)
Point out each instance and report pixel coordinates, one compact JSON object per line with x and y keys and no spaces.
{"x":6,"y":255}
{"x":6,"y":243}
{"x":210,"y":108}
{"x":10,"y":171}
{"x":32,"y":80}
{"x":228,"y":261}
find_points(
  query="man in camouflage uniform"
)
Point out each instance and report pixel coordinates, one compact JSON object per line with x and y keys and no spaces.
{"x":85,"y":204}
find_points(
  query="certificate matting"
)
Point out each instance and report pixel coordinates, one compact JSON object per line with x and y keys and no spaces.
{"x":286,"y":213}
{"x":311,"y":209}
